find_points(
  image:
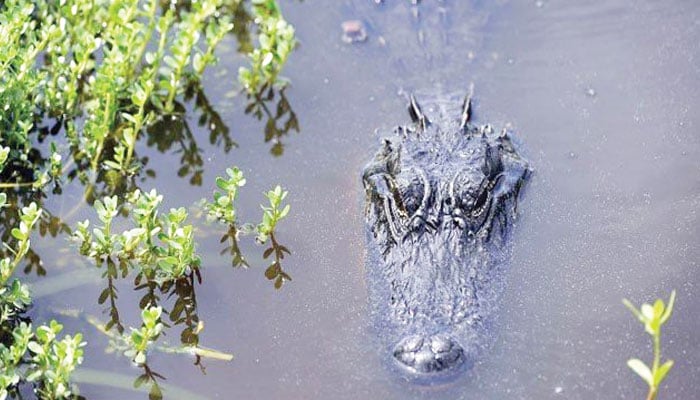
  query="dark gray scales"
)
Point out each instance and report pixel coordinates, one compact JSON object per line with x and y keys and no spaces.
{"x":441,"y":198}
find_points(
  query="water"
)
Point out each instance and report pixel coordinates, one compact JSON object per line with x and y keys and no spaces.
{"x":601,"y":96}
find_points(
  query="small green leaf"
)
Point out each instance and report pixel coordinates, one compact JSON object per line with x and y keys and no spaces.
{"x":285,"y":211}
{"x":647,"y":312}
{"x":658,"y":308}
{"x":662,"y":371}
{"x":632,"y":308}
{"x":267,"y":59}
{"x":641,"y":369}
{"x":669,"y":308}
{"x":140,"y":381}
{"x":278,"y":282}
{"x":35,"y":348}
{"x":140,"y":358}
{"x":17,"y":234}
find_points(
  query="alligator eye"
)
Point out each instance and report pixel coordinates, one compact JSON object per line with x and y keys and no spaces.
{"x":463,"y":189}
{"x":480,"y":204}
{"x":411,"y":191}
{"x":414,"y":189}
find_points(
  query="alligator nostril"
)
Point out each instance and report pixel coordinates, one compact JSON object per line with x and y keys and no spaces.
{"x":431,"y":354}
{"x":440,"y":344}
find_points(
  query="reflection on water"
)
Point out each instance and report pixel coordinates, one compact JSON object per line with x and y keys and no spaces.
{"x":173,"y":134}
{"x":271,"y":105}
{"x":232,"y":248}
{"x":241,"y":29}
{"x":274,"y":253}
{"x":275,"y":272}
{"x":150,"y":378}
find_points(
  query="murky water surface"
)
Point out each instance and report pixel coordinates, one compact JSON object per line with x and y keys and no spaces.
{"x":604,"y":98}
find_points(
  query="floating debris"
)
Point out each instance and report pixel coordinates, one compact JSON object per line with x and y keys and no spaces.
{"x":354,"y":31}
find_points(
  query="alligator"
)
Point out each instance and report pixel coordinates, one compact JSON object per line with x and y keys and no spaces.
{"x":441,"y":201}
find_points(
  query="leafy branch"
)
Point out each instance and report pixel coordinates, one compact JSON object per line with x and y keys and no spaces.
{"x":652,"y":317}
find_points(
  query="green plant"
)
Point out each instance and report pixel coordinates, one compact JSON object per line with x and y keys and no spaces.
{"x":276,"y":41}
{"x":160,"y":248}
{"x":93,"y":77}
{"x":28,"y":217}
{"x":272,"y":214}
{"x":141,"y":339}
{"x":224,"y":208}
{"x":28,"y":356}
{"x":11,"y":357}
{"x":266,"y":231}
{"x":53,"y":361}
{"x":137,"y":344}
{"x":182,"y":48}
{"x":652,"y":317}
{"x":4,"y":153}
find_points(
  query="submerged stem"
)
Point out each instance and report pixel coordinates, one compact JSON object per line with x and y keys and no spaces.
{"x":652,"y":393}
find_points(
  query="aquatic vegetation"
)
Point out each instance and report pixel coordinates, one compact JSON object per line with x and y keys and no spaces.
{"x":652,"y":317}
{"x":29,"y":216}
{"x":14,"y":296}
{"x":272,"y":214}
{"x":184,"y":48}
{"x":141,"y":339}
{"x":84,"y":81}
{"x":160,"y":247}
{"x":223,"y":209}
{"x":40,"y":358}
{"x":266,"y":231}
{"x":108,"y":71}
{"x":54,"y":361}
{"x":276,"y":41}
{"x":27,"y":355}
{"x":264,"y":87}
{"x":137,"y":344}
{"x":91,"y":78}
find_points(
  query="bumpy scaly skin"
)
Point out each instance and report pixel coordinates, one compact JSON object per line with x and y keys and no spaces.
{"x":440,"y":202}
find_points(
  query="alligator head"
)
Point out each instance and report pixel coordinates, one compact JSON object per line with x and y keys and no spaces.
{"x":440,"y":201}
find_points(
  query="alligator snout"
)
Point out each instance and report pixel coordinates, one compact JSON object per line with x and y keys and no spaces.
{"x":429,"y":354}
